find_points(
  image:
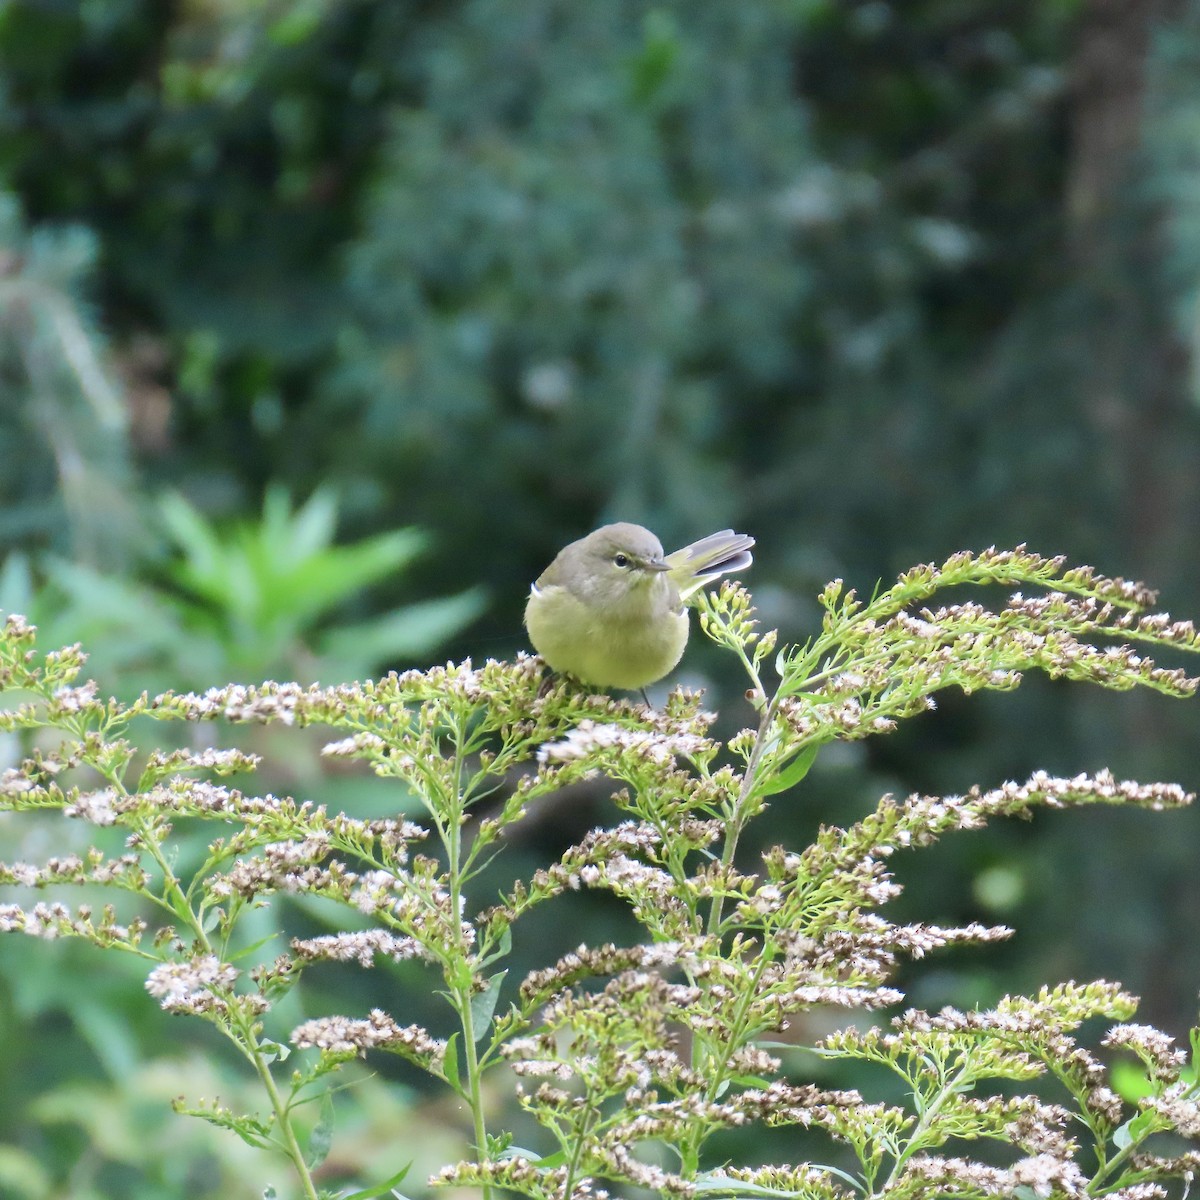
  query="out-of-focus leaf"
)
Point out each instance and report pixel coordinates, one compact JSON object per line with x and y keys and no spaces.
{"x":195,"y":536}
{"x":483,"y":1005}
{"x":16,"y":585}
{"x":408,"y":633}
{"x":277,"y":574}
{"x":320,"y":1141}
{"x":383,"y":1189}
{"x":22,"y":1177}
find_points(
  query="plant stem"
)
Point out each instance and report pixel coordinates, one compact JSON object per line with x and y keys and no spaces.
{"x":928,"y":1113}
{"x":737,"y":817}
{"x":577,"y":1154}
{"x":461,"y":985}
{"x":241,"y":1033}
{"x":282,"y":1113}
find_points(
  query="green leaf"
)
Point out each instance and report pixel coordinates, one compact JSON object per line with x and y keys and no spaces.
{"x":1130,"y":1081}
{"x":276,"y":1051}
{"x":381,"y":1189}
{"x":502,"y":950}
{"x":16,"y":584}
{"x":1135,"y":1130}
{"x":271,"y":579}
{"x":716,"y":1182}
{"x":539,"y":1160}
{"x":1122,"y":1138}
{"x":321,"y":1138}
{"x":450,"y":1061}
{"x":310,"y":530}
{"x":252,"y":947}
{"x":250,"y":1129}
{"x":21,"y":1175}
{"x":192,"y":533}
{"x":100,"y":609}
{"x":483,"y":1005}
{"x":409,"y":632}
{"x":653,"y":66}
{"x":792,"y":773}
{"x":296,"y":23}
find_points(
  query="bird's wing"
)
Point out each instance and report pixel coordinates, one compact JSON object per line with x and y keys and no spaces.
{"x":711,"y":557}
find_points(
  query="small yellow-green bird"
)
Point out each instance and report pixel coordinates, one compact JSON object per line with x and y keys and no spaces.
{"x":611,"y":608}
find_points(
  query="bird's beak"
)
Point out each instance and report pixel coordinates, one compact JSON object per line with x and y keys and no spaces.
{"x":656,"y":564}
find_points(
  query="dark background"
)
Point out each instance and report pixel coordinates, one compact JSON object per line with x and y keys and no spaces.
{"x":873,"y":281}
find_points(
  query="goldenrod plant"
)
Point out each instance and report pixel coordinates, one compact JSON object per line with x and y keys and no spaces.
{"x":631,"y":1062}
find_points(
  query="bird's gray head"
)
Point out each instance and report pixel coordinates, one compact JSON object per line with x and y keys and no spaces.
{"x":612,"y":561}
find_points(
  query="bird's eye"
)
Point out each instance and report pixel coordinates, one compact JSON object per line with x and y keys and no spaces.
{"x":620,"y":560}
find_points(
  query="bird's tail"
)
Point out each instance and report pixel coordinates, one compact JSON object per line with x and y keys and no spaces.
{"x":708,"y":559}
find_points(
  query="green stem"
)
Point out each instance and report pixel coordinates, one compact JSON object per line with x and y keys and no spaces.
{"x":738,"y":1025}
{"x":577,"y":1154}
{"x":461,"y":985}
{"x":249,"y":1043}
{"x":1107,"y":1167}
{"x":715,"y":1071}
{"x":690,"y":1151}
{"x":737,"y":817}
{"x":175,"y":900}
{"x":915,"y":1142}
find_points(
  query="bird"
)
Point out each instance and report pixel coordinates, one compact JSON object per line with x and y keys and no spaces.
{"x":611,"y":609}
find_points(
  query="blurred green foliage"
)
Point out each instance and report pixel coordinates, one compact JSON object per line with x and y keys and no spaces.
{"x":250,"y":602}
{"x":864,"y":279}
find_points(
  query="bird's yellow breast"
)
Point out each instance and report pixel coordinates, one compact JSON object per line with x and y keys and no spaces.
{"x":627,"y":645}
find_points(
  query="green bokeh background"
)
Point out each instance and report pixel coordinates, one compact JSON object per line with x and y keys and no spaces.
{"x":873,"y":281}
